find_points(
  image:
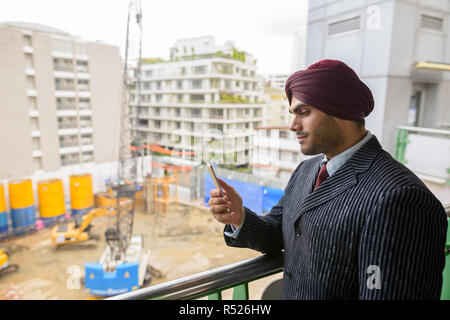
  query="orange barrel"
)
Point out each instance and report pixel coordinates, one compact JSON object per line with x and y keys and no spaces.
{"x":3,"y":214}
{"x":81,"y":193}
{"x":51,"y":199}
{"x":21,"y":202}
{"x":103,"y":200}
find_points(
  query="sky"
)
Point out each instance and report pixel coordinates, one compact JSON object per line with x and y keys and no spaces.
{"x":263,"y":28}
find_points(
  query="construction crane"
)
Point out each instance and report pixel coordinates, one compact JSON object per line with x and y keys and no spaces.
{"x":124,"y":264}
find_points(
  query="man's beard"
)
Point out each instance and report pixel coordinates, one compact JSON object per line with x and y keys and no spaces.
{"x":323,"y":139}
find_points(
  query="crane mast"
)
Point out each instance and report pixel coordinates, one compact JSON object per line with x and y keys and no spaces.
{"x":118,"y":237}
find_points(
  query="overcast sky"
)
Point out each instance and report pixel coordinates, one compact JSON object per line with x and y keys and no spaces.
{"x":263,"y":28}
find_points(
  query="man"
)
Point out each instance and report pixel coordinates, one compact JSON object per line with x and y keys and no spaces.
{"x":353,"y":222}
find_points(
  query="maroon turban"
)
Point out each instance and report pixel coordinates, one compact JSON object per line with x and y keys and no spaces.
{"x":332,"y":87}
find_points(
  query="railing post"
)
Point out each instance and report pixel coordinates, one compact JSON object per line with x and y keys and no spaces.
{"x":215,"y":296}
{"x":240,"y":292}
{"x":402,"y":141}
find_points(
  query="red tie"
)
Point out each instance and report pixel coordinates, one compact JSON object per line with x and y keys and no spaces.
{"x":323,"y":174}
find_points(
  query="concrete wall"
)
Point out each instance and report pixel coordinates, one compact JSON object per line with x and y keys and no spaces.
{"x":45,"y":86}
{"x":105,"y":69}
{"x":15,"y":140}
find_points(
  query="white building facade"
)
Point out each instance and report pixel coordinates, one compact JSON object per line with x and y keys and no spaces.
{"x":207,"y":100}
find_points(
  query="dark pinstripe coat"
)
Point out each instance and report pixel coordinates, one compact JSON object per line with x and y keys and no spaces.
{"x":372,"y":212}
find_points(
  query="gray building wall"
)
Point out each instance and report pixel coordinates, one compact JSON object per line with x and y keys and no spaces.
{"x":105,"y":68}
{"x":46,"y":101}
{"x":15,"y":140}
{"x":18,"y":119}
{"x":383,"y":52}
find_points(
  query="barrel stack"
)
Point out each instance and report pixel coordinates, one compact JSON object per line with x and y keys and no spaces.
{"x":3,"y":214}
{"x":51,"y":200}
{"x":21,"y":203}
{"x":81,"y":194}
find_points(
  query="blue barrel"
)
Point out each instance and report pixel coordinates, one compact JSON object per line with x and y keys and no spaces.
{"x":81,"y":212}
{"x":23,"y":220}
{"x":3,"y":225}
{"x":3,"y":214}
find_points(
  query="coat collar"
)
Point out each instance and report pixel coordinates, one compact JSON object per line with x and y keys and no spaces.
{"x":343,"y":179}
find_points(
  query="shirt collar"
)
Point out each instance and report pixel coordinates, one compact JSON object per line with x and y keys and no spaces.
{"x":338,"y":161}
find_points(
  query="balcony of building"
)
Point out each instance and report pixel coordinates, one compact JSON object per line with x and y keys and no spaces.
{"x":426,"y":152}
{"x":60,"y":64}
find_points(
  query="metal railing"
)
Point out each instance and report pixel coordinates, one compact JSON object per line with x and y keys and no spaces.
{"x":211,"y":283}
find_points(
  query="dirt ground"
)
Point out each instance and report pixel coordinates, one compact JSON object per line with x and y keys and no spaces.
{"x":185,"y":241}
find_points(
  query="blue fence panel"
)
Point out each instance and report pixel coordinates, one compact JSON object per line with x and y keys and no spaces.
{"x":257,"y":198}
{"x":271,"y":196}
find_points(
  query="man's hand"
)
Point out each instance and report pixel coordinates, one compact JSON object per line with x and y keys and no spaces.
{"x":219,"y":203}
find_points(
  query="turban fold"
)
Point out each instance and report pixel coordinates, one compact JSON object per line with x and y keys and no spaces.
{"x":332,"y":87}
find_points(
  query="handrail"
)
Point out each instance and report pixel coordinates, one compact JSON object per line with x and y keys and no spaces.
{"x":424,"y":130}
{"x":209,"y":282}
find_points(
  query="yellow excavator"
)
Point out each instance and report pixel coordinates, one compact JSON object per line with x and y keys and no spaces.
{"x":78,"y":230}
{"x":4,"y":265}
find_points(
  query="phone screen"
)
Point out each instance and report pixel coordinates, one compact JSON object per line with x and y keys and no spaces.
{"x":214,"y":178}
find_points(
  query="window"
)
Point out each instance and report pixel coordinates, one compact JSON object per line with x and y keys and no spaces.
{"x":28,"y":60}
{"x":197,"y":84}
{"x":196,"y":113}
{"x":84,"y":103}
{"x":431,"y":23}
{"x":146,"y":85}
{"x":197,"y":98}
{"x":85,"y":121}
{"x":27,"y":40}
{"x":83,"y":85}
{"x":159,"y":98}
{"x":82,"y":66}
{"x":344,"y":26}
{"x":86,"y":139}
{"x":199,"y":70}
{"x":179,"y":84}
{"x":149,"y":73}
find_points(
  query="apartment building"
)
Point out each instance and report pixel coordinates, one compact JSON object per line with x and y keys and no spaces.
{"x":276,"y":152}
{"x":207,"y":100}
{"x":59,"y":100}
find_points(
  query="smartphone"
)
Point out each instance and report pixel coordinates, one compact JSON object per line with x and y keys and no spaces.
{"x":214,"y":178}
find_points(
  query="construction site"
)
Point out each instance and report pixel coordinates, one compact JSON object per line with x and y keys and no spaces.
{"x":98,"y":231}
{"x":182,"y":241}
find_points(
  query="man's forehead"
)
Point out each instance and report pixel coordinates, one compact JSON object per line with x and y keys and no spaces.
{"x":296,"y":105}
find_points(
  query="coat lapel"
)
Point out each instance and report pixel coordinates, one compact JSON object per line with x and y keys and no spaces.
{"x":340,"y":181}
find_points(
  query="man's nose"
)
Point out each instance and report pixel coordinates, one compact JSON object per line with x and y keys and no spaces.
{"x":295,"y":125}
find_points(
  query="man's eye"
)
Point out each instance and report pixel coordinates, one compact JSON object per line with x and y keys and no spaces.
{"x":304,"y":113}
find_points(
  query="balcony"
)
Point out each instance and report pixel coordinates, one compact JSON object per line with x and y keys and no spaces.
{"x":68,"y":143}
{"x":67,"y":125}
{"x":426,"y":152}
{"x":65,"y":87}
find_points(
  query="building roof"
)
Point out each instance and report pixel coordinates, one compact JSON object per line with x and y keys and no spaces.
{"x":34,"y":26}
